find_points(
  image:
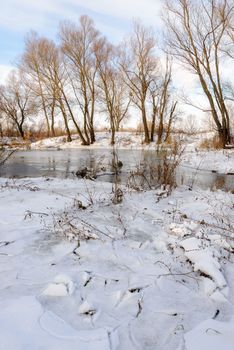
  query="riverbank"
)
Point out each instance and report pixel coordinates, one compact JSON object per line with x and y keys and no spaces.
{"x":77,"y":271}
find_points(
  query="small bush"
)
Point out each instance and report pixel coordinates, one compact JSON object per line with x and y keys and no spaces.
{"x":160,"y":170}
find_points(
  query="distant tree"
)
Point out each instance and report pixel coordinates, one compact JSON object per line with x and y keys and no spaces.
{"x":191,"y":126}
{"x":16,"y":101}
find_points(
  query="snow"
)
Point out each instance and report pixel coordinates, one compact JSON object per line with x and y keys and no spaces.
{"x":26,"y":325}
{"x":148,"y":273}
{"x":220,"y":161}
{"x":123,"y":140}
{"x":85,"y":308}
{"x":211,"y":334}
{"x":61,"y":286}
{"x":204,"y":260}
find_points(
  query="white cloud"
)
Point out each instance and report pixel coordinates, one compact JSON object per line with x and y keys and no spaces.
{"x":40,"y":15}
{"x":148,"y":10}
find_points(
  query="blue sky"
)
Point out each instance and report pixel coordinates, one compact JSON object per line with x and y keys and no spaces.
{"x":113,"y":18}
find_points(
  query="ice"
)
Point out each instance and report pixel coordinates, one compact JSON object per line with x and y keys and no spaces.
{"x":220,"y":161}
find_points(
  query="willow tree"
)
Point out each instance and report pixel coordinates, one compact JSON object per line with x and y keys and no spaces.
{"x":55,"y":77}
{"x":196,"y":33}
{"x":163,"y":104}
{"x":31,"y":64}
{"x":77,"y":44}
{"x":114,"y":95}
{"x":139,"y":66}
{"x":41,"y":61}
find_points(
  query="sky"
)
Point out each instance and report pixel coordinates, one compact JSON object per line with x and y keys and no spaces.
{"x":113,"y":18}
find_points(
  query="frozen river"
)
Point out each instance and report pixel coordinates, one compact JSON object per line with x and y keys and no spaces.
{"x":65,"y":163}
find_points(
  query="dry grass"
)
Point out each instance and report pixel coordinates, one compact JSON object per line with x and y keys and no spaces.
{"x":213,"y":143}
{"x":43,"y":134}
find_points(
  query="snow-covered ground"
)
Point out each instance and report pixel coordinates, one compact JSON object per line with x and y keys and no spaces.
{"x":220,"y":161}
{"x":78,"y":272}
{"x":123,"y":140}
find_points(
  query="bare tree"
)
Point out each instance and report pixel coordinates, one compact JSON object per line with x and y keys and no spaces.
{"x":139,"y":66}
{"x":31,"y":63}
{"x":114,"y":93}
{"x":78,"y":42}
{"x":195,"y":36}
{"x":163,"y":105}
{"x":55,"y":78}
{"x":16,"y":101}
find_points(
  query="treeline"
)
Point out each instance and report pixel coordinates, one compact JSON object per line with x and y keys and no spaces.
{"x":83,"y":75}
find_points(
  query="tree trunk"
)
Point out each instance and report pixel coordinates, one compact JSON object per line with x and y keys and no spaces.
{"x":160,"y":130}
{"x":83,"y":140}
{"x":145,"y":125}
{"x":21,"y":131}
{"x":69,"y":139}
{"x":112,"y":136}
{"x":168,"y":131}
{"x":224,"y":137}
{"x":153,"y":123}
{"x":92,"y":134}
{"x":52,"y":118}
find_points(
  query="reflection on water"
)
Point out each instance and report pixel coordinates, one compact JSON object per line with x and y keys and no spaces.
{"x":65,"y":163}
